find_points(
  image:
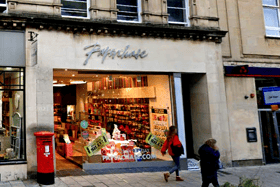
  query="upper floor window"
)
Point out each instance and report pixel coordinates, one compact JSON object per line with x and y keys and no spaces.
{"x":178,"y":11}
{"x":75,"y":8}
{"x":271,"y":17}
{"x":129,"y":10}
{"x":3,"y":6}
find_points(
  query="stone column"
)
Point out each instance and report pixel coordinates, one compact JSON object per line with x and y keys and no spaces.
{"x":103,"y":9}
{"x":39,"y":101}
{"x":154,"y":11}
{"x":204,"y":13}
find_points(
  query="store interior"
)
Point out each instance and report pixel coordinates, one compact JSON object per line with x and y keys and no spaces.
{"x":123,"y":107}
{"x":12,"y":144}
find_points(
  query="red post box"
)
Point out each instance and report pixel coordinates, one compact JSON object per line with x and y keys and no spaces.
{"x":45,"y":167}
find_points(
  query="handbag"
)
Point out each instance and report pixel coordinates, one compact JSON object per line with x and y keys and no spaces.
{"x":177,"y":151}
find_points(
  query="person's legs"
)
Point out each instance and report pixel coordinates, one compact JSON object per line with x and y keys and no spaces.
{"x":215,"y":180}
{"x":205,"y":181}
{"x":177,"y":165}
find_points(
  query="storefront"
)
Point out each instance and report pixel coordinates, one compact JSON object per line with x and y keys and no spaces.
{"x":123,"y":88}
{"x":110,"y":93}
{"x":12,"y":105}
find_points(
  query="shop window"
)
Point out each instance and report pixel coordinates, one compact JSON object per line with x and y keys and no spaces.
{"x":178,"y":11}
{"x":271,"y":17}
{"x":75,"y":8}
{"x":12,"y":134}
{"x":129,"y":10}
{"x":3,"y":6}
{"x":114,"y":117}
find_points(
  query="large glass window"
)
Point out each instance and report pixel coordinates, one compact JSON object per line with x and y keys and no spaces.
{"x":75,"y":8}
{"x":178,"y":11}
{"x":3,"y":6}
{"x":271,"y":17}
{"x":12,"y":133}
{"x":129,"y":10}
{"x":110,"y":118}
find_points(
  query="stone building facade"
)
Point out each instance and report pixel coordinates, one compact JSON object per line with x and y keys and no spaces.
{"x":186,"y":47}
{"x":252,"y":42}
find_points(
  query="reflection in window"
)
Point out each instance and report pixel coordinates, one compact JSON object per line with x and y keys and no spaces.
{"x":12,"y":145}
{"x":75,"y":8}
{"x":178,"y":11}
{"x":271,"y":17}
{"x":3,"y":6}
{"x":129,"y":10}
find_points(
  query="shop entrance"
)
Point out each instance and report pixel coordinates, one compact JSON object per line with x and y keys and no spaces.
{"x":110,"y":118}
{"x":187,"y":115}
{"x":270,"y":127}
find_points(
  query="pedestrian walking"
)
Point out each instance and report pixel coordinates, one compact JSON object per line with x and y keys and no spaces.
{"x":209,"y":162}
{"x":175,"y":149}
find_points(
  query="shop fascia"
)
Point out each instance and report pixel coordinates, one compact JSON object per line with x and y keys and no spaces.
{"x":107,"y":52}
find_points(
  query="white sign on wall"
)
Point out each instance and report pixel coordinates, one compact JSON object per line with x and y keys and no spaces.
{"x":271,"y":95}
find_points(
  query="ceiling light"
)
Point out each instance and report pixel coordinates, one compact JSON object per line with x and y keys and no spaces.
{"x":78,"y":82}
{"x":65,"y":69}
{"x":59,"y":85}
{"x":9,"y":68}
{"x":54,"y":81}
{"x":73,"y":75}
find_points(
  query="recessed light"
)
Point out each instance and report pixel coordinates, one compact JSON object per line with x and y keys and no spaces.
{"x":78,"y":82}
{"x":73,"y":75}
{"x":59,"y":85}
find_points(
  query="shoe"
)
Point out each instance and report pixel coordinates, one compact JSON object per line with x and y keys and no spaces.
{"x":166,"y":175}
{"x":179,"y":179}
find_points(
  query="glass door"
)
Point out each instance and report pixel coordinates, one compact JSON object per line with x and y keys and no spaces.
{"x":270,"y":121}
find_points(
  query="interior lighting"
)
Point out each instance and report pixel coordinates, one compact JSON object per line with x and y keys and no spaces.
{"x":59,"y":85}
{"x":73,"y":75}
{"x":9,"y":68}
{"x":78,"y":82}
{"x":54,"y":81}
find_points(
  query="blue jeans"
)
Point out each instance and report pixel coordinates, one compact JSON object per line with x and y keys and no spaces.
{"x":176,"y":168}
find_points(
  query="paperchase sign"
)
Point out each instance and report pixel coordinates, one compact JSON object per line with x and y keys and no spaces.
{"x":112,"y":53}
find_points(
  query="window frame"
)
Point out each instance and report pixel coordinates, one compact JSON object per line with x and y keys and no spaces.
{"x":4,"y":5}
{"x":186,"y":16}
{"x":78,"y":17}
{"x":139,"y":10}
{"x":23,"y":128}
{"x":278,"y":17}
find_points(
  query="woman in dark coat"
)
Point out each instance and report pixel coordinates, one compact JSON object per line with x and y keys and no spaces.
{"x":209,"y":163}
{"x":172,"y":138}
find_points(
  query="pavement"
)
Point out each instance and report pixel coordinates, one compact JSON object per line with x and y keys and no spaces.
{"x":267,"y":175}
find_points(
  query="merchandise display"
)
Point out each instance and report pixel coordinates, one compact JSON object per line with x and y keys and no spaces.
{"x":120,"y":111}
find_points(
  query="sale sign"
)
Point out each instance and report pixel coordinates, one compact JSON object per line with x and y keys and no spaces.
{"x":154,"y":141}
{"x":96,"y":145}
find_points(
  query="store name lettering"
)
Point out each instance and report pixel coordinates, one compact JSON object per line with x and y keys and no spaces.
{"x":128,"y":157}
{"x":112,"y":53}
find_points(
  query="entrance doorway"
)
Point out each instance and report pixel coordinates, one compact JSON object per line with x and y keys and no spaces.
{"x":270,"y":127}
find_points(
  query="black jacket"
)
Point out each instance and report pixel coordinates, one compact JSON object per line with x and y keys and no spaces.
{"x":209,"y":159}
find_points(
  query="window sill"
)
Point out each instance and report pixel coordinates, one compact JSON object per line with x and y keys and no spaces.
{"x":12,"y":162}
{"x":272,"y":37}
{"x":123,"y":21}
